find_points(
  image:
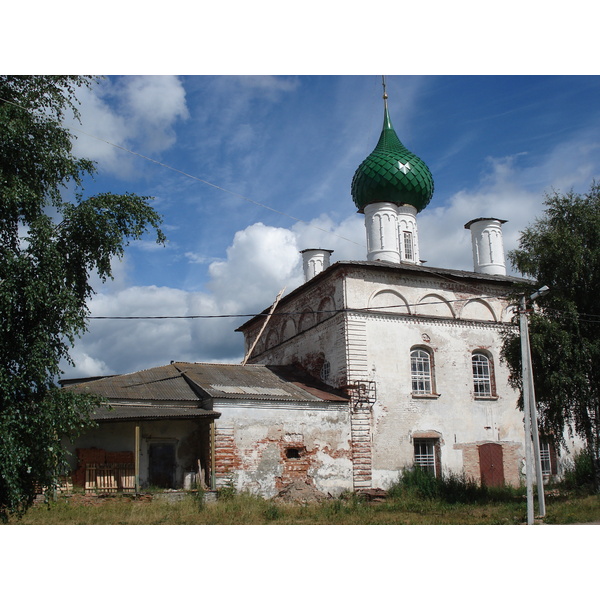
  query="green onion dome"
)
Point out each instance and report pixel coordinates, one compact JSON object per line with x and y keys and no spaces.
{"x":391,"y":173}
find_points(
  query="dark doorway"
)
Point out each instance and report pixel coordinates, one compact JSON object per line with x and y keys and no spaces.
{"x":161,"y":469}
{"x":491,"y":465}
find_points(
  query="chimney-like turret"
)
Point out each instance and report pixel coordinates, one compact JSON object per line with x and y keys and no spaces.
{"x":488,"y":247}
{"x":314,"y":261}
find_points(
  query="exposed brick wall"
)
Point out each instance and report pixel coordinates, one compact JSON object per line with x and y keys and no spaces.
{"x":361,"y":447}
{"x":227,"y":457}
{"x":271,"y":463}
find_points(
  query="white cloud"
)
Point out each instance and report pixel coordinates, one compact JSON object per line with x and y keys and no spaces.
{"x":152,"y":105}
{"x":262,"y":259}
{"x":346,"y":239}
{"x":137,"y":113}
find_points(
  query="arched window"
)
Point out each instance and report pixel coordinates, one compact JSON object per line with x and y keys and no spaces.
{"x":421,"y":372}
{"x":483,"y":375}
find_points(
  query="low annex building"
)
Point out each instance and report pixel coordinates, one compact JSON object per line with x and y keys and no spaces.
{"x":367,"y":368}
{"x":257,"y":427}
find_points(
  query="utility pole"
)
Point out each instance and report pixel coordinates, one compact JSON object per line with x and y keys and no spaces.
{"x":531,"y":421}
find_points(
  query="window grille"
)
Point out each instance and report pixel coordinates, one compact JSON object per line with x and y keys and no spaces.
{"x":420,"y":370}
{"x":545,"y":458}
{"x":425,"y":455}
{"x":482,"y":376}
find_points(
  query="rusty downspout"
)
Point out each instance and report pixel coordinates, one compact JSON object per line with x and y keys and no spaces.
{"x":213,"y":480}
{"x":137,"y":458}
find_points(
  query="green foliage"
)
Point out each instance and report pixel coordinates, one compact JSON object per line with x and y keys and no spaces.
{"x":450,"y":488}
{"x":562,"y":250}
{"x":49,"y":247}
{"x":579,"y":475}
{"x":227,"y":492}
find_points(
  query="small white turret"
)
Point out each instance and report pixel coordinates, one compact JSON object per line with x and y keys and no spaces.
{"x":488,"y":247}
{"x":314,"y":261}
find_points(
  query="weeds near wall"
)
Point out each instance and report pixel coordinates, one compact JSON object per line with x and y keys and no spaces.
{"x":579,"y":474}
{"x":450,"y":488}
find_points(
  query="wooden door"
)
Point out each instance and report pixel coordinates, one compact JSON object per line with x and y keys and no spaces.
{"x":161,"y":468}
{"x":491,"y":465}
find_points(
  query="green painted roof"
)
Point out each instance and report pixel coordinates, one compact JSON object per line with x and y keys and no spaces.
{"x":391,"y":173}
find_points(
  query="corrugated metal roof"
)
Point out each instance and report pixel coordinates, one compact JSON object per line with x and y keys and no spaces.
{"x":189,"y":383}
{"x":258,"y":382}
{"x":140,"y":412}
{"x":158,"y":383}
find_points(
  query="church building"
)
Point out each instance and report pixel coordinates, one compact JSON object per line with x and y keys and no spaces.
{"x":368,"y":368}
{"x":416,"y":348}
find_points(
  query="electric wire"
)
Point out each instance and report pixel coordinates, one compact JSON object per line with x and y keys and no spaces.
{"x":185,"y":174}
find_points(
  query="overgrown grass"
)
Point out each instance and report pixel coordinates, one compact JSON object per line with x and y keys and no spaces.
{"x":450,"y":488}
{"x":407,"y":506}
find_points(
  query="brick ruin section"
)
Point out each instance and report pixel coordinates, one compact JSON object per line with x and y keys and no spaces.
{"x":293,"y":462}
{"x":361,"y":447}
{"x":226,"y":456}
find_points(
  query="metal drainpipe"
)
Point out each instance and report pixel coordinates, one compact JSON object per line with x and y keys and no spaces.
{"x":137,"y":458}
{"x":213,"y":481}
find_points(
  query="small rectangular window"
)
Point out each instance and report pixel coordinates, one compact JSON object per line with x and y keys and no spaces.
{"x":548,"y":458}
{"x":408,"y":245}
{"x":426,"y":455}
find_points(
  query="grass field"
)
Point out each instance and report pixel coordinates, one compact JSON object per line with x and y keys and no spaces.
{"x":242,"y":509}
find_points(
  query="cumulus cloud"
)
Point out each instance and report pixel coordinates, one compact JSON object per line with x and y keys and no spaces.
{"x":510,"y":189}
{"x":262,"y":259}
{"x":137,"y":113}
{"x":259,"y":259}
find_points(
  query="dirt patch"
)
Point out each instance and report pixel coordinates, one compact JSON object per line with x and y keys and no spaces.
{"x":373,"y":495}
{"x":94,"y":500}
{"x":300,"y":492}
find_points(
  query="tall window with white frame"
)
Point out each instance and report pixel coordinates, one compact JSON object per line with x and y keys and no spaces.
{"x":483,"y":375}
{"x":421,"y":372}
{"x":426,"y":455}
{"x":407,"y":242}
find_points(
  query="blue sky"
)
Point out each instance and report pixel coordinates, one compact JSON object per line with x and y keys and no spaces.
{"x":249,"y":170}
{"x":495,"y":145}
